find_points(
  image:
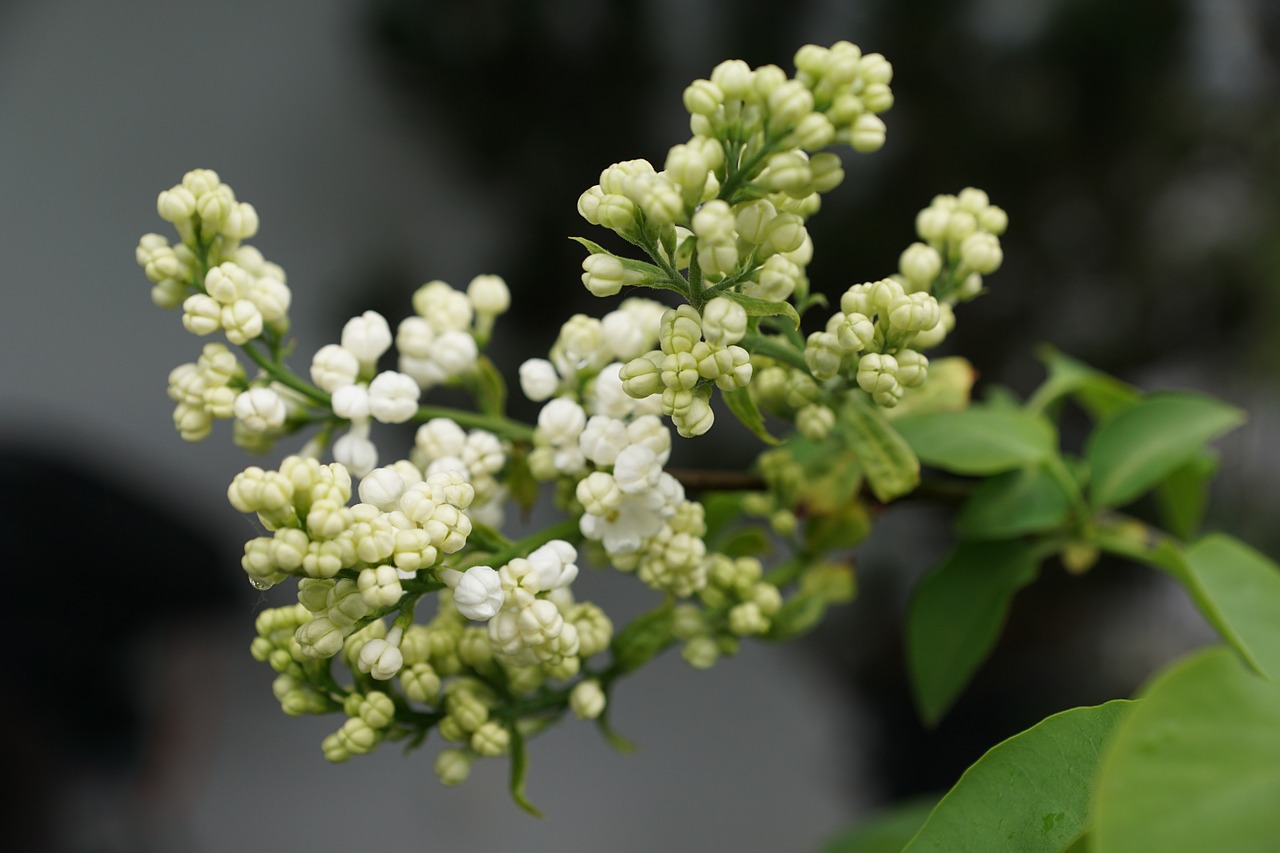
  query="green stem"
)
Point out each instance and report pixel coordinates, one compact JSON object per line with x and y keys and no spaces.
{"x":756,"y":343}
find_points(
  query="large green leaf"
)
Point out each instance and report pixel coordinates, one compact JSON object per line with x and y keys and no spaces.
{"x":890,"y":467}
{"x":980,"y":440}
{"x":1029,"y":794}
{"x":1183,"y":496}
{"x":1241,"y":596}
{"x":1015,"y":503}
{"x":956,"y":615}
{"x":1196,"y":766}
{"x":1142,"y":445}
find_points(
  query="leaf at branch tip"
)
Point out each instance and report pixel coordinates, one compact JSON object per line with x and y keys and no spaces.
{"x":979,"y":441}
{"x":1099,"y":394}
{"x":1142,"y":445}
{"x":956,"y":615}
{"x":887,"y":462}
{"x":1030,"y":794}
{"x":744,"y":408}
{"x":1196,"y":766}
{"x":757,"y":307}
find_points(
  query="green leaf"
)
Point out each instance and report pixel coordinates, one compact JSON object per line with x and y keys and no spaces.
{"x":1184,"y":494}
{"x":1030,"y":794}
{"x":888,"y":832}
{"x":980,"y":440}
{"x":956,"y":615}
{"x":838,"y":530}
{"x":947,"y":389}
{"x":1099,"y":394}
{"x":1196,"y":766}
{"x":890,"y":467}
{"x":744,"y":408}
{"x":757,"y":307}
{"x":1015,"y":503}
{"x":645,"y":636}
{"x":490,"y":388}
{"x":798,"y":615}
{"x":1142,"y":445}
{"x":1241,"y":598}
{"x":519,"y":767}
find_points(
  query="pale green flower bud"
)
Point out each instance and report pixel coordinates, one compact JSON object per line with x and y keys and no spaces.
{"x":703,"y":97}
{"x":981,"y":253}
{"x":767,"y":597}
{"x":746,"y":619}
{"x":932,"y":337}
{"x":474,"y":648}
{"x":168,"y":294}
{"x":993,"y":220}
{"x":491,"y":740}
{"x":379,"y":586}
{"x":616,"y":212}
{"x":788,"y":172}
{"x":694,"y":420}
{"x":688,"y":167}
{"x":784,"y":522}
{"x":642,"y":377}
{"x":877,"y":97}
{"x":489,"y":295}
{"x":242,"y":321}
{"x":920,"y":264}
{"x":734,"y":78}
{"x":241,"y":221}
{"x":767,"y":80}
{"x":812,"y":133}
{"x":883,"y":292}
{"x":714,"y":219}
{"x":752,"y":219}
{"x":969,"y":288}
{"x":587,"y":700}
{"x":815,"y":421}
{"x":176,"y":204}
{"x":589,"y":204}
{"x":377,"y":709}
{"x":776,"y":280}
{"x":877,"y":374}
{"x":700,"y":652}
{"x":288,"y":547}
{"x":823,"y":354}
{"x":932,"y":223}
{"x":788,"y":103}
{"x":913,"y":312}
{"x":826,"y":170}
{"x":659,"y":198}
{"x":599,"y":493}
{"x":867,"y":134}
{"x":960,"y":224}
{"x":201,"y":181}
{"x":201,"y":314}
{"x":603,"y":274}
{"x":453,"y":766}
{"x":855,"y":332}
{"x":420,"y":683}
{"x":717,"y":255}
{"x":913,"y":368}
{"x":724,"y":321}
{"x":320,"y":638}
{"x":786,"y":233}
{"x":874,"y":68}
{"x":972,"y":200}
{"x":214,"y":206}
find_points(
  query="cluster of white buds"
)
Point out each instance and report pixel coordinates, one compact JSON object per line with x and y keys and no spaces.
{"x":737,"y":603}
{"x":478,"y":455}
{"x":205,"y":390}
{"x":869,"y":338}
{"x":695,"y":350}
{"x":401,"y":525}
{"x":219,"y":283}
{"x":346,"y":371}
{"x":961,"y":235}
{"x":438,"y":345}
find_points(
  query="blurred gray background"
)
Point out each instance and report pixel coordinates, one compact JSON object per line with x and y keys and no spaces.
{"x":1135,"y":146}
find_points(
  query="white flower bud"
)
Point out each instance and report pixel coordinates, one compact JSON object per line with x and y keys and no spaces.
{"x":981,"y":253}
{"x":333,"y":367}
{"x":734,"y":79}
{"x":603,"y":274}
{"x":703,"y":97}
{"x":242,"y":321}
{"x":393,"y":397}
{"x":351,"y":402}
{"x":201,"y":314}
{"x":538,"y":379}
{"x":724,"y":321}
{"x":788,"y":104}
{"x":477,"y":592}
{"x":489,"y":295}
{"x":260,"y":409}
{"x":176,"y":204}
{"x":356,"y":453}
{"x":366,"y":337}
{"x":380,"y":586}
{"x":380,"y":659}
{"x":382,"y":487}
{"x":920,"y":264}
{"x":561,"y":421}
{"x":587,"y":700}
{"x":453,"y":766}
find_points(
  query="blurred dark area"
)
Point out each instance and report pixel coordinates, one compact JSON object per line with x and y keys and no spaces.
{"x":1135,"y":146}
